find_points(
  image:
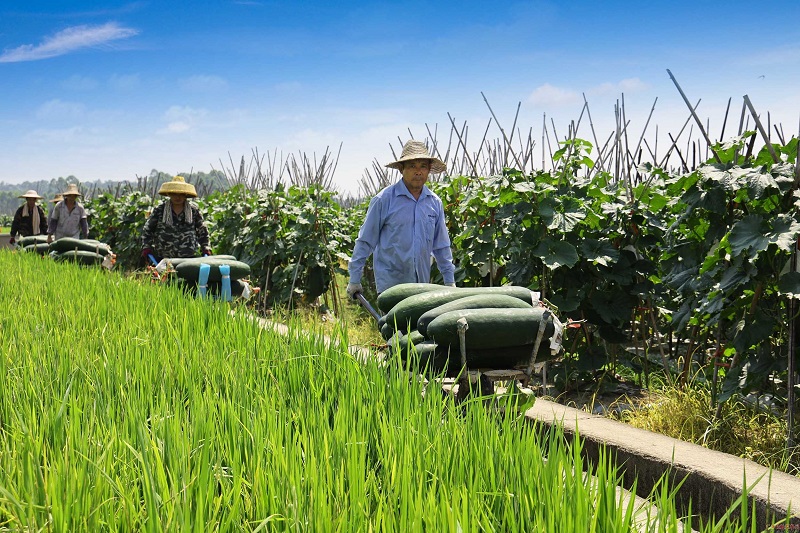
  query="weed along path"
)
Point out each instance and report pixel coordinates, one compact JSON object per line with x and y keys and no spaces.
{"x":707,"y":480}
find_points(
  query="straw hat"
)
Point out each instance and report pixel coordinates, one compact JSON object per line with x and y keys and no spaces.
{"x":417,"y":150}
{"x":30,"y":194}
{"x":57,"y":198}
{"x":72,"y":190}
{"x":178,"y":185}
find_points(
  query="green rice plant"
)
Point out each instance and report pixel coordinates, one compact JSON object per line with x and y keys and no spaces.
{"x":130,"y":407}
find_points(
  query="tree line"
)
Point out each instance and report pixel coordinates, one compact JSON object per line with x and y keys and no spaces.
{"x":205,"y":183}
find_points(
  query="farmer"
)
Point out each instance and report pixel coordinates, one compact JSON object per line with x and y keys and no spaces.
{"x":57,"y":198}
{"x":404,"y":227}
{"x":29,"y":218}
{"x":175,"y":228}
{"x":69,"y":217}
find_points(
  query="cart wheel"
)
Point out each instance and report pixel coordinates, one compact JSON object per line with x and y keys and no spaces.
{"x":482,"y":387}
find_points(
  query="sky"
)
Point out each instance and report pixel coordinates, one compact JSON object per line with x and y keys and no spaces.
{"x":111,"y":90}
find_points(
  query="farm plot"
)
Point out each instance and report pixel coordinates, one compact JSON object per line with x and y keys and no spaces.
{"x":128,"y":407}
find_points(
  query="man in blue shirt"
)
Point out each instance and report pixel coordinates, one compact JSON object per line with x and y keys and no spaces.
{"x":404,"y":227}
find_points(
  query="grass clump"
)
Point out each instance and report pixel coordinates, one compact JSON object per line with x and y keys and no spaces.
{"x":741,"y":429}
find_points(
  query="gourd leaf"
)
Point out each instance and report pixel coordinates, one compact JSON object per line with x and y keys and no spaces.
{"x":556,"y":253}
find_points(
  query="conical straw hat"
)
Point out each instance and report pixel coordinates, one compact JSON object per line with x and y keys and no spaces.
{"x":178,"y":185}
{"x":30,"y":194}
{"x":72,"y":190}
{"x":417,"y":150}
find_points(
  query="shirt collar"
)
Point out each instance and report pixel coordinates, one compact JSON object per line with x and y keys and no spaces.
{"x":402,"y":190}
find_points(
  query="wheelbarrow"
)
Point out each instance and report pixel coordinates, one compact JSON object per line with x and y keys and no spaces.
{"x":483,"y":377}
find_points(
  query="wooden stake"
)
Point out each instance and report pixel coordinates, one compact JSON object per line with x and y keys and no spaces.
{"x":696,"y":118}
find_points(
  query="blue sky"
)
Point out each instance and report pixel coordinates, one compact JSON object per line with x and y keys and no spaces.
{"x":112,"y":90}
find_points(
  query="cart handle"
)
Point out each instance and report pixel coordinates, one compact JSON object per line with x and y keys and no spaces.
{"x":366,"y":305}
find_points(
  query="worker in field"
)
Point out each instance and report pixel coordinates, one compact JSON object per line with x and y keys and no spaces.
{"x":69,"y":217}
{"x":29,"y":219}
{"x":404,"y":227}
{"x":175,"y":228}
{"x":57,"y":198}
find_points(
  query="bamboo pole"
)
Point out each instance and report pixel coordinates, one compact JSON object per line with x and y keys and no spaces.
{"x":725,"y":120}
{"x":675,"y":140}
{"x":694,"y":114}
{"x":464,"y":146}
{"x":764,"y":134}
{"x":502,"y":131}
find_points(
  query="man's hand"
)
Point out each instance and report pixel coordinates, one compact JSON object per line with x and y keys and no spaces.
{"x":49,"y":238}
{"x":146,"y":252}
{"x":449,"y":284}
{"x":206,"y":252}
{"x":353,"y":289}
{"x":11,"y":240}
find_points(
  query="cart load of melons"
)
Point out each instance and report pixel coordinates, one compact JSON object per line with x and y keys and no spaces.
{"x":502,"y":325}
{"x":188,"y":268}
{"x":81,"y":251}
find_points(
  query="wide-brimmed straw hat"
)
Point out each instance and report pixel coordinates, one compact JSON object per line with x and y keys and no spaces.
{"x":57,"y":198}
{"x":178,"y":185}
{"x":417,"y":150}
{"x":30,"y":194}
{"x":72,"y":190}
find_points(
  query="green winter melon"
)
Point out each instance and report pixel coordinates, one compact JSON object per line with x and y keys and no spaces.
{"x":497,"y":328}
{"x":67,"y":244}
{"x":406,"y":314}
{"x":477,"y":301}
{"x":81,"y":257}
{"x":190,"y":269}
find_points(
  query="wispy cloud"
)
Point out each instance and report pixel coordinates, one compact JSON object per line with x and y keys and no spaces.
{"x":79,"y":83}
{"x":59,"y":109}
{"x":546,"y":95}
{"x":68,"y":40}
{"x":550,"y":95}
{"x":204,"y":83}
{"x":627,"y":86}
{"x":125,"y":82}
{"x":180,"y":119}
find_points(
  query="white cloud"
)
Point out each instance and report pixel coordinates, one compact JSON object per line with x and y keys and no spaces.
{"x":124,"y":82}
{"x":546,"y":95}
{"x":201,"y":83}
{"x":288,"y":86}
{"x":626,"y":86}
{"x":58,"y":109}
{"x":68,"y":40}
{"x":180,"y":119}
{"x":79,"y":83}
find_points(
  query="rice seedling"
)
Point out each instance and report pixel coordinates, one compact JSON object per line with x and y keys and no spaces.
{"x":129,"y":407}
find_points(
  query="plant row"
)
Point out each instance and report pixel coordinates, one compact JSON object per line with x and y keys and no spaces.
{"x":691,"y":268}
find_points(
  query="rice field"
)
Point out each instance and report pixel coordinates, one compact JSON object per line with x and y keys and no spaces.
{"x":130,"y":407}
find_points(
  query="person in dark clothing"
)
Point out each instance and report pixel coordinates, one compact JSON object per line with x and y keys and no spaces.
{"x":29,"y":218}
{"x":176,"y":227}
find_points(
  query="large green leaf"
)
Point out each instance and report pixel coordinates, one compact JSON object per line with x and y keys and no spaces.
{"x":789,"y":284}
{"x":753,"y":234}
{"x":555,"y":254}
{"x":599,"y":252}
{"x":748,"y":234}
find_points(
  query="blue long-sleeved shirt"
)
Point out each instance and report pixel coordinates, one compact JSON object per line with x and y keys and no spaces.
{"x":402,"y":233}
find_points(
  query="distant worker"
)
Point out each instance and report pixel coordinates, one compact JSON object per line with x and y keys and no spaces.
{"x":57,"y":198}
{"x":29,"y":219}
{"x":69,"y":217}
{"x":175,"y":228}
{"x":404,"y":227}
